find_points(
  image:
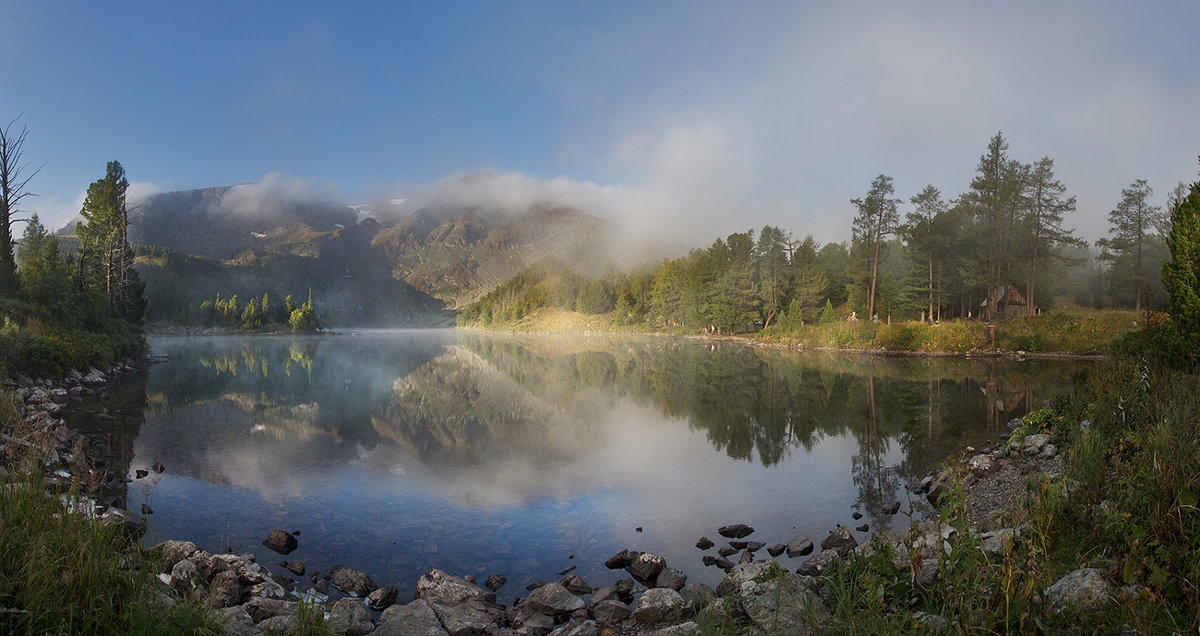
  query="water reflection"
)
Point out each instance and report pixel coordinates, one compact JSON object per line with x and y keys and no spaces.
{"x":481,"y":453}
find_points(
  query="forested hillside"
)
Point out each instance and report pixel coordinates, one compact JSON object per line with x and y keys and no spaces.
{"x":1003,"y":246}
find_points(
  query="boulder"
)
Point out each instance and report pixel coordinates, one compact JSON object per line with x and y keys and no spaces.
{"x":982,"y":464}
{"x":645,"y":567}
{"x":799,"y":546}
{"x":463,"y":608}
{"x":740,"y":575}
{"x":602,"y":593}
{"x":776,"y":549}
{"x":782,"y":604}
{"x":353,"y":582}
{"x":295,"y":567}
{"x":260,"y":609}
{"x":183,"y":577}
{"x":553,"y":599}
{"x":671,"y":578}
{"x":235,"y":621}
{"x":840,"y":540}
{"x":382,"y":598}
{"x":495,"y":582}
{"x":682,"y":629}
{"x":724,"y":564}
{"x":530,"y":622}
{"x":727,"y":550}
{"x":1032,"y":444}
{"x":438,"y":587}
{"x":283,"y":624}
{"x":735,"y":531}
{"x":621,"y":559}
{"x":175,"y":551}
{"x":815,"y":565}
{"x":1084,"y":589}
{"x":224,"y":591}
{"x":280,"y":541}
{"x":349,"y":617}
{"x":698,"y":596}
{"x":704,"y":543}
{"x":577,"y":627}
{"x":414,"y":619}
{"x":575,"y":585}
{"x":610,"y":612}
{"x":660,"y":605}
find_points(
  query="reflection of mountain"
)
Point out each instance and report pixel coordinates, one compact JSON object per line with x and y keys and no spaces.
{"x":458,"y":410}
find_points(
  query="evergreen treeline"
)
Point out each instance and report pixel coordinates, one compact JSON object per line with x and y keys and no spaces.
{"x":255,"y":313}
{"x":1003,"y":246}
{"x":59,"y":309}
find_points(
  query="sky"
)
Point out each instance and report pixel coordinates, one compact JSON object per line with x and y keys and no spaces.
{"x":680,"y":121}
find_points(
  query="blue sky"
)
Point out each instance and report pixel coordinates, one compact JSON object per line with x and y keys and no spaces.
{"x":680,"y":120}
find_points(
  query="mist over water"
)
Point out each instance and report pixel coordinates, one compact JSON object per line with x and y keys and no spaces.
{"x":397,"y":451}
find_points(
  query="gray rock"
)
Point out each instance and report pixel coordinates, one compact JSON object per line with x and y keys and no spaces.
{"x":746,"y":557}
{"x":776,"y":549}
{"x":224,"y":590}
{"x":495,"y":582}
{"x":577,"y":627}
{"x":414,"y":619}
{"x":175,"y":551}
{"x":735,"y":531}
{"x":724,"y":564}
{"x":1014,"y":424}
{"x":1083,"y":589}
{"x":1033,"y":443}
{"x":283,"y":624}
{"x":183,"y":577}
{"x":353,"y":582}
{"x":727,"y":550}
{"x":529,"y":621}
{"x":799,"y":546}
{"x":280,"y":541}
{"x":463,"y":608}
{"x":621,"y":559}
{"x":295,"y":567}
{"x":236,"y":622}
{"x":625,"y":589}
{"x":782,"y":605}
{"x":739,"y":575}
{"x":260,"y":609}
{"x":982,"y":464}
{"x":602,"y":593}
{"x":575,"y":585}
{"x":383,"y":597}
{"x":698,"y":596}
{"x":645,"y":567}
{"x":659,"y":605}
{"x":552,"y":599}
{"x":610,"y":612}
{"x":1049,"y":450}
{"x":682,"y":629}
{"x":349,"y":617}
{"x":840,"y":540}
{"x":815,"y":565}
{"x":671,"y":578}
{"x":704,"y":543}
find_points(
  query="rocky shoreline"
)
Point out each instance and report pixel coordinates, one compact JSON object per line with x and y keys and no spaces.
{"x":247,"y":598}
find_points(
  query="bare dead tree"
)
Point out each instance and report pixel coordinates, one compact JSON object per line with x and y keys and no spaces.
{"x":13,"y":184}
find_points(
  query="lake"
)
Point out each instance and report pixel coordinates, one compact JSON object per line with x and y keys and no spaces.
{"x":524,"y":455}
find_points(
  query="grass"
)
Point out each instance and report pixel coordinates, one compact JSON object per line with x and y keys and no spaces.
{"x":61,"y":573}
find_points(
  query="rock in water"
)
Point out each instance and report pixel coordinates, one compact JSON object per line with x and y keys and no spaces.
{"x":660,"y":605}
{"x":382,"y":598}
{"x":157,"y":467}
{"x":621,"y":559}
{"x":892,"y":509}
{"x":735,"y":531}
{"x":552,"y":599}
{"x":353,"y":582}
{"x":776,"y":549}
{"x":799,"y":546}
{"x":280,"y":541}
{"x":704,"y":543}
{"x":839,"y":540}
{"x":495,"y":582}
{"x":645,"y":567}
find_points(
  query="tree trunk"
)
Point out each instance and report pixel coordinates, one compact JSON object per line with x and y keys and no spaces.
{"x":875,"y":267}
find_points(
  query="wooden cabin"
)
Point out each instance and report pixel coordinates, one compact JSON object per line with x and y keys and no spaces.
{"x":1006,"y":300}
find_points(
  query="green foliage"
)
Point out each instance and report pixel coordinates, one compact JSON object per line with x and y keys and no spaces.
{"x":1181,"y":273}
{"x":61,"y":573}
{"x":304,"y":319}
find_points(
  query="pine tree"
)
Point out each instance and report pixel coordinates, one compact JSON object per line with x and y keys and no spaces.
{"x":877,"y":216}
{"x":1181,"y":273}
{"x":1133,"y":239}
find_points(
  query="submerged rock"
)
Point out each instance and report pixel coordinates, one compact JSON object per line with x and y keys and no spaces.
{"x":281,"y":542}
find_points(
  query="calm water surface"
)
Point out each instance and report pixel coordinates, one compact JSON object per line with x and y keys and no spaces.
{"x":397,"y":451}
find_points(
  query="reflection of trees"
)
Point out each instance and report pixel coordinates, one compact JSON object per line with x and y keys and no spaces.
{"x":753,"y":402}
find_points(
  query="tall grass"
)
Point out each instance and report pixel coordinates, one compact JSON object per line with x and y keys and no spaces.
{"x":61,"y":573}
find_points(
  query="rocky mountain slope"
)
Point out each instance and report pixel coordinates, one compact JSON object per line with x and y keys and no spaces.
{"x":368,"y":264}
